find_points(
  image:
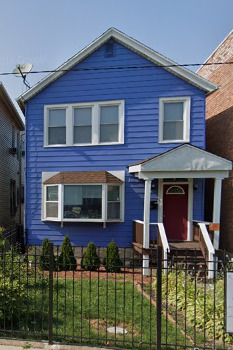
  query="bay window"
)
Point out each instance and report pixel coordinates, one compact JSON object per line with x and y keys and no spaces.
{"x":80,"y":124}
{"x":83,"y":196}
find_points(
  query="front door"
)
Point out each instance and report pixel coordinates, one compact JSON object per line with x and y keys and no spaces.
{"x":175,"y":211}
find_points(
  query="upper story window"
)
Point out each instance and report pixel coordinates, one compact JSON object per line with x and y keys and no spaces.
{"x":97,"y":123}
{"x":174,"y":119}
{"x":57,"y":126}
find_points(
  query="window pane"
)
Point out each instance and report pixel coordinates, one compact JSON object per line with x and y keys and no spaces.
{"x":51,"y":210}
{"x":173,"y":130}
{"x":82,"y":134}
{"x":114,"y":210}
{"x":52,"y":193}
{"x":173,"y":111}
{"x":57,"y":117}
{"x":83,"y":201}
{"x":108,"y":133}
{"x":109,"y":114}
{"x":57,"y":136}
{"x":113,"y":193}
{"x":82,"y":116}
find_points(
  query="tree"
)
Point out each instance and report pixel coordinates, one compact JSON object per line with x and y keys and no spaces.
{"x":45,"y":255}
{"x":112,"y":261}
{"x":90,"y":260}
{"x":66,"y":260}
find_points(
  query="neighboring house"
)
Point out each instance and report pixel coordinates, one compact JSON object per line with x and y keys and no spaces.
{"x":11,"y":169}
{"x":219,"y":121}
{"x":91,"y":127}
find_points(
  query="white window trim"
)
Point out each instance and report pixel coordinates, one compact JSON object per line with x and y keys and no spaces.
{"x":104,"y":203}
{"x":95,"y":122}
{"x":58,"y":201}
{"x":186,"y":118}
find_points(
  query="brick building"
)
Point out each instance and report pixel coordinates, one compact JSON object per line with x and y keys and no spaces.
{"x":219,"y":127}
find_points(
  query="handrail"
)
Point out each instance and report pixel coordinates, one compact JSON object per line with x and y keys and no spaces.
{"x":210,"y":248}
{"x":163,"y":237}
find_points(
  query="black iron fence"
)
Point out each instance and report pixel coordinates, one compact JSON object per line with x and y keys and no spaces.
{"x":42,"y":297}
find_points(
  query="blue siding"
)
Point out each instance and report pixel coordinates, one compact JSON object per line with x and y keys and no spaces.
{"x":141,"y":89}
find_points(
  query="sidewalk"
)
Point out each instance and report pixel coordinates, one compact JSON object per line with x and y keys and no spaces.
{"x":7,"y":344}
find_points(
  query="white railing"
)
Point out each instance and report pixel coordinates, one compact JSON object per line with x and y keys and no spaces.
{"x":164,"y":241}
{"x":209,"y":247}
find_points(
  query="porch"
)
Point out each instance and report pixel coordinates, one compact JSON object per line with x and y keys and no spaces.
{"x":177,"y":229}
{"x":200,"y":249}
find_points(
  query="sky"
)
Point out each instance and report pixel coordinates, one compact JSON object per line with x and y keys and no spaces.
{"x":47,"y":33}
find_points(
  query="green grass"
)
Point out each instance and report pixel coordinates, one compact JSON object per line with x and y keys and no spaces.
{"x":84,"y":309}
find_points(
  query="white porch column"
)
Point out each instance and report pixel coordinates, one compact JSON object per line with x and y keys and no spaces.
{"x":217,"y":208}
{"x":146,"y":226}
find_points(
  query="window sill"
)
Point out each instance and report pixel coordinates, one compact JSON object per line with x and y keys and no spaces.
{"x":82,"y":220}
{"x":86,"y":144}
{"x":174,"y":141}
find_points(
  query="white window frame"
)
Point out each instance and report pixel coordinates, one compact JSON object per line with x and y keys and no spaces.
{"x":61,"y":203}
{"x":58,"y":201}
{"x":186,"y":118}
{"x":95,"y":122}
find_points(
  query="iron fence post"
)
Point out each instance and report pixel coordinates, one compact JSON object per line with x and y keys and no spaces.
{"x":159,"y":296}
{"x":51,"y":263}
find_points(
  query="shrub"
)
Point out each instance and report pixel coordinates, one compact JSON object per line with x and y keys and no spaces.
{"x":206,"y":299}
{"x":13,"y":289}
{"x":45,"y":256}
{"x":112,"y":261}
{"x":90,"y":260}
{"x":66,"y":260}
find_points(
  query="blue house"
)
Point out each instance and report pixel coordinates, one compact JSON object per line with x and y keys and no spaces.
{"x":115,"y":143}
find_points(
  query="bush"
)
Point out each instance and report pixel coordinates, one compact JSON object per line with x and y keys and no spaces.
{"x":206,"y":299}
{"x":90,"y":260}
{"x":66,"y":260}
{"x":45,"y":256}
{"x":13,"y":288}
{"x":112,"y":261}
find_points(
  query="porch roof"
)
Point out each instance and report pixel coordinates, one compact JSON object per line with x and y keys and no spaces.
{"x":185,"y":161}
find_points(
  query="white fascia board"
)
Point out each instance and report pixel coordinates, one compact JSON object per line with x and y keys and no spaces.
{"x":132,"y":44}
{"x":150,"y":175}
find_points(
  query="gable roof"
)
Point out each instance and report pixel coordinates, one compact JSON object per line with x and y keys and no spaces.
{"x":222,"y":53}
{"x":184,"y":158}
{"x":133,"y":45}
{"x":77,"y":177}
{"x":6,"y":100}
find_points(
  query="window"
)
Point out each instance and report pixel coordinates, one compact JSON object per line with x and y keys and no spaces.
{"x":82,"y":125}
{"x":109,"y":123}
{"x":97,"y":123}
{"x":114,"y":202}
{"x":174,"y":119}
{"x":51,"y":205}
{"x":13,"y":199}
{"x":57,"y":126}
{"x":83,"y":202}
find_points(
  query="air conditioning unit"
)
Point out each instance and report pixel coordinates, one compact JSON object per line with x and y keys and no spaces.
{"x":13,"y":150}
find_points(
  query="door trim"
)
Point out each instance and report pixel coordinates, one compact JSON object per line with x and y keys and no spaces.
{"x":190,"y":203}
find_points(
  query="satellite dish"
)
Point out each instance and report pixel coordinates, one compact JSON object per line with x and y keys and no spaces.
{"x":22,"y":70}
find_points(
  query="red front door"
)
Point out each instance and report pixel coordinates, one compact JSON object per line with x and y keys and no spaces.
{"x":175,"y":211}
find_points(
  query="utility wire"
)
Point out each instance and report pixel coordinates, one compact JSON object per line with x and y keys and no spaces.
{"x":124,"y":67}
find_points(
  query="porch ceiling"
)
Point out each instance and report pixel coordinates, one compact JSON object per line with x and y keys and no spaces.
{"x":183,"y":161}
